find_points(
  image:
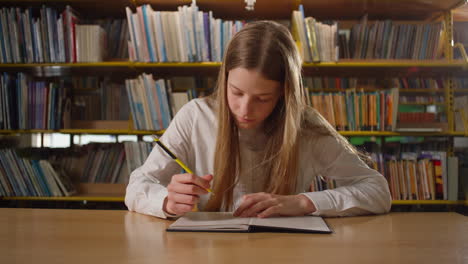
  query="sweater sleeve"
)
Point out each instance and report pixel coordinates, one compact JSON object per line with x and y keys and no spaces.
{"x":360,"y":189}
{"x":146,"y":189}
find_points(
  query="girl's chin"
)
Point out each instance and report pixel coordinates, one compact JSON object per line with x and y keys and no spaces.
{"x":247,"y":125}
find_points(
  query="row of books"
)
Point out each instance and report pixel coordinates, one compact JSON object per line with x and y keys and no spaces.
{"x":389,"y":40}
{"x":378,"y":40}
{"x":460,"y":83}
{"x":152,"y":102}
{"x":27,"y":104}
{"x":316,"y":41}
{"x":415,"y":171}
{"x":417,"y":168}
{"x":356,"y":111}
{"x":56,"y":36}
{"x":189,"y":35}
{"x":25,"y":177}
{"x":117,"y":36}
{"x":324,"y":83}
{"x":94,"y":162}
{"x":185,"y":35}
{"x":428,"y":176}
{"x":99,"y":99}
{"x":112,"y":163}
{"x":422,"y":99}
{"x":31,"y":104}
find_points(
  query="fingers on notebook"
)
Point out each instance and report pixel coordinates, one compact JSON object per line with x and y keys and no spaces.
{"x":258,"y":208}
{"x":270,"y":212}
{"x":254,"y":204}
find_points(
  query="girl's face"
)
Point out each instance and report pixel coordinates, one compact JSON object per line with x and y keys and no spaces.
{"x":251,"y":97}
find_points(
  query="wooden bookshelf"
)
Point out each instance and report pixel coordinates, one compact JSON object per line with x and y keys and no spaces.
{"x":96,"y":192}
{"x":351,"y":10}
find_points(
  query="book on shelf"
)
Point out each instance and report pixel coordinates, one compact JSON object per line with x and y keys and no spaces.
{"x":100,"y":162}
{"x":97,"y":98}
{"x":185,"y":35}
{"x":460,"y":108}
{"x":358,"y":110}
{"x":316,"y":41}
{"x":91,"y":43}
{"x":226,"y":222}
{"x":31,"y":177}
{"x":153,"y":103}
{"x":395,"y":40}
{"x":28,"y":104}
{"x":55,"y":36}
{"x":416,"y":168}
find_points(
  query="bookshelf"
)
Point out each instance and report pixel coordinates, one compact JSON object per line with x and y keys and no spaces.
{"x":410,"y":10}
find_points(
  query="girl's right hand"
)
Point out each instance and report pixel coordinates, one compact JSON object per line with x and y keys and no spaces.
{"x":184,"y":192}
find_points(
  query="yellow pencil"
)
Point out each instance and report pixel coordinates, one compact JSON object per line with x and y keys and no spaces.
{"x":156,"y":138}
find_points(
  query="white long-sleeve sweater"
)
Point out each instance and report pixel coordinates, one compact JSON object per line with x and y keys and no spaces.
{"x":192,"y":137}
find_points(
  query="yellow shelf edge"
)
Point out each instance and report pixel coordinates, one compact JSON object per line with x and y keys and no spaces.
{"x":414,"y":90}
{"x":408,"y":103}
{"x":84,"y":131}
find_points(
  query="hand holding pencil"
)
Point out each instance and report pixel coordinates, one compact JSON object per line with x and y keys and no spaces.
{"x":185,"y":189}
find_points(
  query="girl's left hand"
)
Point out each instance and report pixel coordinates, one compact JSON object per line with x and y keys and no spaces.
{"x":265,"y":205}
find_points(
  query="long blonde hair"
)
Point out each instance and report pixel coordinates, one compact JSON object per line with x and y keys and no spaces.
{"x":268,"y":48}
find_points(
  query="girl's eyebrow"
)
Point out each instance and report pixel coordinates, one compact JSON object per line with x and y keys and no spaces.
{"x":262,"y":94}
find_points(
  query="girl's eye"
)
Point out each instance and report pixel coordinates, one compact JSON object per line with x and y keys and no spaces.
{"x":263,"y":100}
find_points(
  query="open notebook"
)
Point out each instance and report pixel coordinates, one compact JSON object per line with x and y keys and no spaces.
{"x":226,"y":222}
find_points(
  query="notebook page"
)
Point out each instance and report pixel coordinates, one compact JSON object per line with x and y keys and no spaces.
{"x":312,"y":223}
{"x":210,"y":220}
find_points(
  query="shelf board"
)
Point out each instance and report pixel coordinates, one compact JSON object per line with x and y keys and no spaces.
{"x":416,"y":103}
{"x":265,"y":9}
{"x":411,"y":90}
{"x":351,"y":68}
{"x":390,"y":133}
{"x":465,"y":90}
{"x":84,"y":131}
{"x":91,"y":198}
{"x":459,"y":134}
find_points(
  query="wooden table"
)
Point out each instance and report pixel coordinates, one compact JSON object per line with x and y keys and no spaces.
{"x":87,"y":236}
